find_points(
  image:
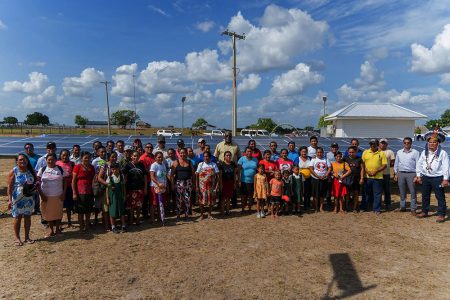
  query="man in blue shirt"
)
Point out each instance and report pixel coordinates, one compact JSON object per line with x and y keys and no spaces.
{"x":273,"y":148}
{"x":292,"y":154}
{"x":355,"y":143}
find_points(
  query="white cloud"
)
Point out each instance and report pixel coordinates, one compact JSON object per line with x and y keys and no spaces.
{"x":282,"y":35}
{"x":205,"y":26}
{"x":436,"y":59}
{"x":123,"y":80}
{"x":370,"y":78}
{"x":162,"y":77}
{"x":205,"y":66}
{"x":158,"y":10}
{"x":295,"y":81}
{"x":36,"y":84}
{"x":445,"y":78}
{"x":42,"y":100}
{"x":37,"y":64}
{"x":3,"y":25}
{"x":82,"y":86}
{"x":249,"y":83}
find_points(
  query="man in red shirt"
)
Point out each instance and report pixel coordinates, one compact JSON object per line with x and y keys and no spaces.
{"x":147,"y":158}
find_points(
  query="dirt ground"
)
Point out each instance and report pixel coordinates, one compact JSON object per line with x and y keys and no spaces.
{"x":326,"y":256}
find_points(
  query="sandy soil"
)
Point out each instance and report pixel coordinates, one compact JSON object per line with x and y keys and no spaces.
{"x":392,"y":256}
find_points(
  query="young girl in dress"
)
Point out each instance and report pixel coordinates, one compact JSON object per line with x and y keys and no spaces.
{"x":297,"y":180}
{"x":276,"y":190}
{"x":261,"y":189}
{"x":338,"y":190}
{"x":287,"y":192}
{"x":115,"y":198}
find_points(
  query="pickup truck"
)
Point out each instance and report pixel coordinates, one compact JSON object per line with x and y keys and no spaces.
{"x":167,"y":133}
{"x":214,"y":132}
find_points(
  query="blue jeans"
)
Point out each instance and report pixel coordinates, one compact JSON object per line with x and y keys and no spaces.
{"x":374,"y":190}
{"x":387,"y":190}
{"x":433,"y":183}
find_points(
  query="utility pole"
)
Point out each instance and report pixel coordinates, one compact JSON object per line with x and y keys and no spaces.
{"x":182,"y":114}
{"x":134,"y":97}
{"x":234,"y":35}
{"x":107,"y":105}
{"x":324,"y":98}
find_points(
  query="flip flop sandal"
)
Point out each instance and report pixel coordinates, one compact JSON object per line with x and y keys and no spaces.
{"x":18,"y":243}
{"x":29,"y":241}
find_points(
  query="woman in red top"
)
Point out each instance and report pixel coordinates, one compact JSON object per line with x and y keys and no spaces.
{"x":285,"y":163}
{"x":67,"y":166}
{"x":255,"y":151}
{"x":269,"y":168}
{"x":83,"y":196}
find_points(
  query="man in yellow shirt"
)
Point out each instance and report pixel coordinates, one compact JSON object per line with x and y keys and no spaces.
{"x":374,"y":163}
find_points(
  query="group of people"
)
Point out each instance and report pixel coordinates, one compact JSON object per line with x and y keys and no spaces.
{"x":121,"y":184}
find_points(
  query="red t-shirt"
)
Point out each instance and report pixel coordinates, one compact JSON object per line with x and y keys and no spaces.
{"x":285,"y":164}
{"x":84,"y":179}
{"x":257,"y":154}
{"x":269,"y":167}
{"x":147,"y":161}
{"x":67,"y":168}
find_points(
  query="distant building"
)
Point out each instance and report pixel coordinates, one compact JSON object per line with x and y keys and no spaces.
{"x":365,"y":120}
{"x":96,"y":124}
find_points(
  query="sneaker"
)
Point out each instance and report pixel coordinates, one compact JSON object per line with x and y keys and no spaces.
{"x":115,"y":230}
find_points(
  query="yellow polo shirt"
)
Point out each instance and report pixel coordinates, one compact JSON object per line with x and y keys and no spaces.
{"x":374,"y":161}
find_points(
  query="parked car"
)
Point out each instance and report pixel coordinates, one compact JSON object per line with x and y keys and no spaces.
{"x":215,"y":132}
{"x":168,"y":132}
{"x":255,"y":132}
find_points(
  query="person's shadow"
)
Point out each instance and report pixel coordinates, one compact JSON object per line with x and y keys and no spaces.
{"x":345,"y":277}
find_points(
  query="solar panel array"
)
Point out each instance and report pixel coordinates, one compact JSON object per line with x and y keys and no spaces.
{"x":14,"y":145}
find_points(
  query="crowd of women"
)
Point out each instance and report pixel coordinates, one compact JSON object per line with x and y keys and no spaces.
{"x":120,"y":184}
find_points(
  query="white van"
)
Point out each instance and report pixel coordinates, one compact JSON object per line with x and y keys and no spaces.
{"x":255,"y":132}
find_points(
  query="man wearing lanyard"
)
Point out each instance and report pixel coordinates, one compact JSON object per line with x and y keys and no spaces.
{"x":432,"y":172}
{"x":405,"y":173}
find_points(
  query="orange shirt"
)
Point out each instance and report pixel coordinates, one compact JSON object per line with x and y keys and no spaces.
{"x":276,"y":187}
{"x":338,"y":168}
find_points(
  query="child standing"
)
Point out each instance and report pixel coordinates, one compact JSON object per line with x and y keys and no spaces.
{"x":339,"y":190}
{"x":297,"y":189}
{"x":115,"y":198}
{"x":276,"y":190}
{"x":261,"y":189}
{"x":287,"y":192}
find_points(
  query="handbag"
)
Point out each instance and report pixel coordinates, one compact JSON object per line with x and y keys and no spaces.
{"x":347,"y":181}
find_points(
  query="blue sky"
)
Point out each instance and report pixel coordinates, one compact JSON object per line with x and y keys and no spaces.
{"x":53,"y":55}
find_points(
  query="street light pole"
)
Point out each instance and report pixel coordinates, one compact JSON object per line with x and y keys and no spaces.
{"x":324,"y":98}
{"x":107,"y":105}
{"x":234,"y":35}
{"x":134,"y":97}
{"x":182,"y":114}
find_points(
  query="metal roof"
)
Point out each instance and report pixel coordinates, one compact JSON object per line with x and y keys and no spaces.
{"x":374,"y":111}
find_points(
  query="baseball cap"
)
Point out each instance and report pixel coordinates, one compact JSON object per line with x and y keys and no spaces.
{"x":51,"y":145}
{"x":180,"y":142}
{"x":334,"y":145}
{"x":201,"y":140}
{"x":161,"y":138}
{"x":373,"y":141}
{"x":128,"y":148}
{"x":384,"y":141}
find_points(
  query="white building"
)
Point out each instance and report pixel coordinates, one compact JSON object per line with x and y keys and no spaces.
{"x":367,"y":120}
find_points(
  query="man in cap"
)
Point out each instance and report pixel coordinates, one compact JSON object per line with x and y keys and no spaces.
{"x":374,"y":163}
{"x":161,"y":146}
{"x":405,"y":173}
{"x":227,"y":145}
{"x":432,"y":171}
{"x":201,"y":147}
{"x":390,"y":156}
{"x":42,"y":161}
{"x":334,"y":147}
{"x":180,"y":145}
